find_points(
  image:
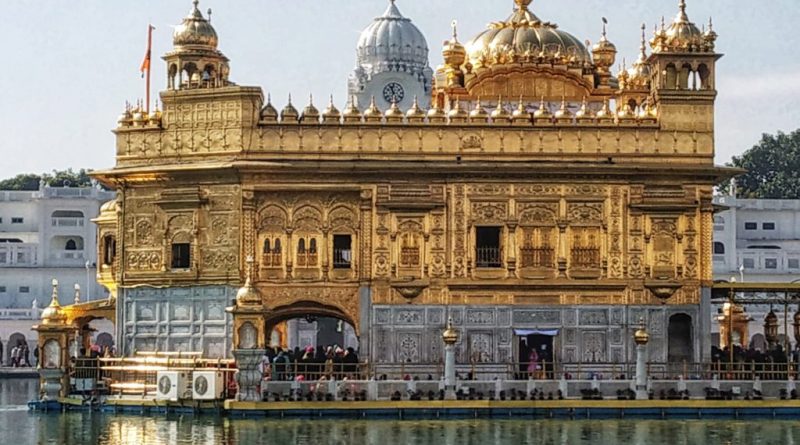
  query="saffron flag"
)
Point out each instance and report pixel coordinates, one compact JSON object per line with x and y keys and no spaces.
{"x":148,"y":55}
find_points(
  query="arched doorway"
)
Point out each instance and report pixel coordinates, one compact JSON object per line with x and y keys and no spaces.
{"x":16,"y":339}
{"x":305,"y":324}
{"x":307,"y":335}
{"x":680,"y":340}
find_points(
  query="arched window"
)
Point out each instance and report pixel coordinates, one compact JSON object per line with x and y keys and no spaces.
{"x":266,"y":246}
{"x":719,"y":248}
{"x":109,"y":250}
{"x":71,"y":245}
{"x":277,"y":246}
{"x":312,"y":247}
{"x":301,"y":246}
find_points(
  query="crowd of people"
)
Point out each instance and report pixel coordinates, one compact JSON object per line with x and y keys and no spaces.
{"x":331,"y":362}
{"x":771,"y":364}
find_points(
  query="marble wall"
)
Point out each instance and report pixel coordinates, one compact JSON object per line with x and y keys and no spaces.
{"x":176,"y":319}
{"x":600,"y":334}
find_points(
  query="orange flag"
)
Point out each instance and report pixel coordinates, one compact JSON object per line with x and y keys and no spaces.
{"x":148,"y":55}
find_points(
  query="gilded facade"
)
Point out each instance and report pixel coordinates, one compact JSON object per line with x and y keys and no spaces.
{"x":539,"y":192}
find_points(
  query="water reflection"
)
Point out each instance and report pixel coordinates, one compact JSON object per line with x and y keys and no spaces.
{"x":20,"y":427}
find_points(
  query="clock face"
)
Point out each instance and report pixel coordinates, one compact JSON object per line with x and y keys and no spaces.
{"x":393,"y":92}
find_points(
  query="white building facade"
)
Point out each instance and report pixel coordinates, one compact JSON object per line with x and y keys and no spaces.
{"x":758,"y":240}
{"x":44,"y":235}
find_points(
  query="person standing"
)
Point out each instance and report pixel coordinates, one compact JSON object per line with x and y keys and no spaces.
{"x":533,"y":363}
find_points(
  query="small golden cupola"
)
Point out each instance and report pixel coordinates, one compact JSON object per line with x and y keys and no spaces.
{"x":605,"y":55}
{"x":682,"y":36}
{"x":195,"y":61}
{"x":54,"y":314}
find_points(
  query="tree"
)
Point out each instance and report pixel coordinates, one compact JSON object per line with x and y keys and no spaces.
{"x":773,"y":168}
{"x":58,"y":178}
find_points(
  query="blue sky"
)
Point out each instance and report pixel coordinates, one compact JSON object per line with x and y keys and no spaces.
{"x":71,"y":65}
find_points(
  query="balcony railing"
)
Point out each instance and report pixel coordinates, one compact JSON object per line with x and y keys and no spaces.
{"x":586,"y":257}
{"x":274,"y":259}
{"x":307,"y":259}
{"x":537,"y":256}
{"x":17,"y":254}
{"x":488,"y":257}
{"x":342,"y":258}
{"x":67,"y":255}
{"x":67,"y":222}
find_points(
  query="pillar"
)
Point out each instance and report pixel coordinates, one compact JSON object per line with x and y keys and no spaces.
{"x":450,"y":337}
{"x":641,"y":337}
{"x":249,"y":338}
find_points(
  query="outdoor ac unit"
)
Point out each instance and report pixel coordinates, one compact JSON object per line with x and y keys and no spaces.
{"x":207,"y":385}
{"x":173,"y":385}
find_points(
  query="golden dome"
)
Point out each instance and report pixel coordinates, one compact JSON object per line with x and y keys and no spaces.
{"x":682,"y":36}
{"x":605,"y":112}
{"x":453,"y":51}
{"x":521,"y":114}
{"x":500,"y":114}
{"x":543,"y":112}
{"x":289,"y":112}
{"x":53,"y":314}
{"x":331,"y":114}
{"x":641,"y":337}
{"x":585,"y":113}
{"x":195,"y":30}
{"x":458,"y":114}
{"x":478,"y":114}
{"x":436,"y":113}
{"x":268,"y":112}
{"x":394,"y":113}
{"x":523,"y":37}
{"x":638,"y":76}
{"x":563,"y":113}
{"x":373,"y":113}
{"x":109,"y":207}
{"x":450,"y":335}
{"x":415,"y":113}
{"x":310,"y":112}
{"x":351,"y":112}
{"x":248,"y":295}
{"x":604,"y":52}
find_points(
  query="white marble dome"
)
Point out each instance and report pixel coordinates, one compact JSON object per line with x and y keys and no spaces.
{"x":392,"y":43}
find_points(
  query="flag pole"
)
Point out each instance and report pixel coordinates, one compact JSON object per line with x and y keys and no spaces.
{"x":146,"y":66}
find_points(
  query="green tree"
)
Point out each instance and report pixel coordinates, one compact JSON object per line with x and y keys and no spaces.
{"x":58,"y":178}
{"x":773,"y":168}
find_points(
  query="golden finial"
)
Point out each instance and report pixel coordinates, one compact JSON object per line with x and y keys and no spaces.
{"x":415,"y":113}
{"x":641,"y":337}
{"x":563,"y":113}
{"x":289,"y":113}
{"x":331,"y":114}
{"x":523,"y":4}
{"x":643,"y":46}
{"x":479,"y":113}
{"x":450,"y":335}
{"x":373,"y":113}
{"x":585,"y":112}
{"x":499,"y":115}
{"x":394,"y":114}
{"x":605,"y":112}
{"x":543,"y":111}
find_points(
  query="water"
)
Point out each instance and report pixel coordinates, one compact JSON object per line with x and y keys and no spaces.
{"x":18,"y":426}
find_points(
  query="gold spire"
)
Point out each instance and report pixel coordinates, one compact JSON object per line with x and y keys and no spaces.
{"x":479,"y":114}
{"x":53,"y":313}
{"x":436,"y":114}
{"x":563,"y":113}
{"x":500,"y":115}
{"x":351,"y":112}
{"x":543,"y":112}
{"x":289,"y":113}
{"x":604,"y":115}
{"x":585,"y":113}
{"x":521,"y":114}
{"x":268,"y":112}
{"x":523,"y":4}
{"x":457,"y":114}
{"x":247,"y":294}
{"x":394,"y":114}
{"x":450,"y":335}
{"x":331,"y":115}
{"x":415,"y":113}
{"x":373,"y":113}
{"x":310,"y":112}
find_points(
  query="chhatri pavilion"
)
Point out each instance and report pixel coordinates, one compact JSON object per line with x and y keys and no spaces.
{"x":523,"y":188}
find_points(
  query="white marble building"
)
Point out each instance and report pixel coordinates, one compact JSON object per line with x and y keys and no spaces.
{"x":44,"y":235}
{"x":758,"y":240}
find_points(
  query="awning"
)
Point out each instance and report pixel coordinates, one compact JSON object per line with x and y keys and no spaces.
{"x":527,"y":332}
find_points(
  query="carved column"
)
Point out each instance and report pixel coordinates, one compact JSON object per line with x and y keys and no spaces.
{"x":450,"y":337}
{"x":54,"y":333}
{"x":249,"y":338}
{"x":641,"y":337}
{"x":365,"y":254}
{"x":248,"y":230}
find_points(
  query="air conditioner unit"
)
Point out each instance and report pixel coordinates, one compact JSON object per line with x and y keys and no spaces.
{"x":207,"y":385}
{"x":173,"y":385}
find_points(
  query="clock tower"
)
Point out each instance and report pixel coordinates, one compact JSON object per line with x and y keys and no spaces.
{"x":392,"y":63}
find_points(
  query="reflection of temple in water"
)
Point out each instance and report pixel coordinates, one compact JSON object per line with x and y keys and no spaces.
{"x":540,"y":192}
